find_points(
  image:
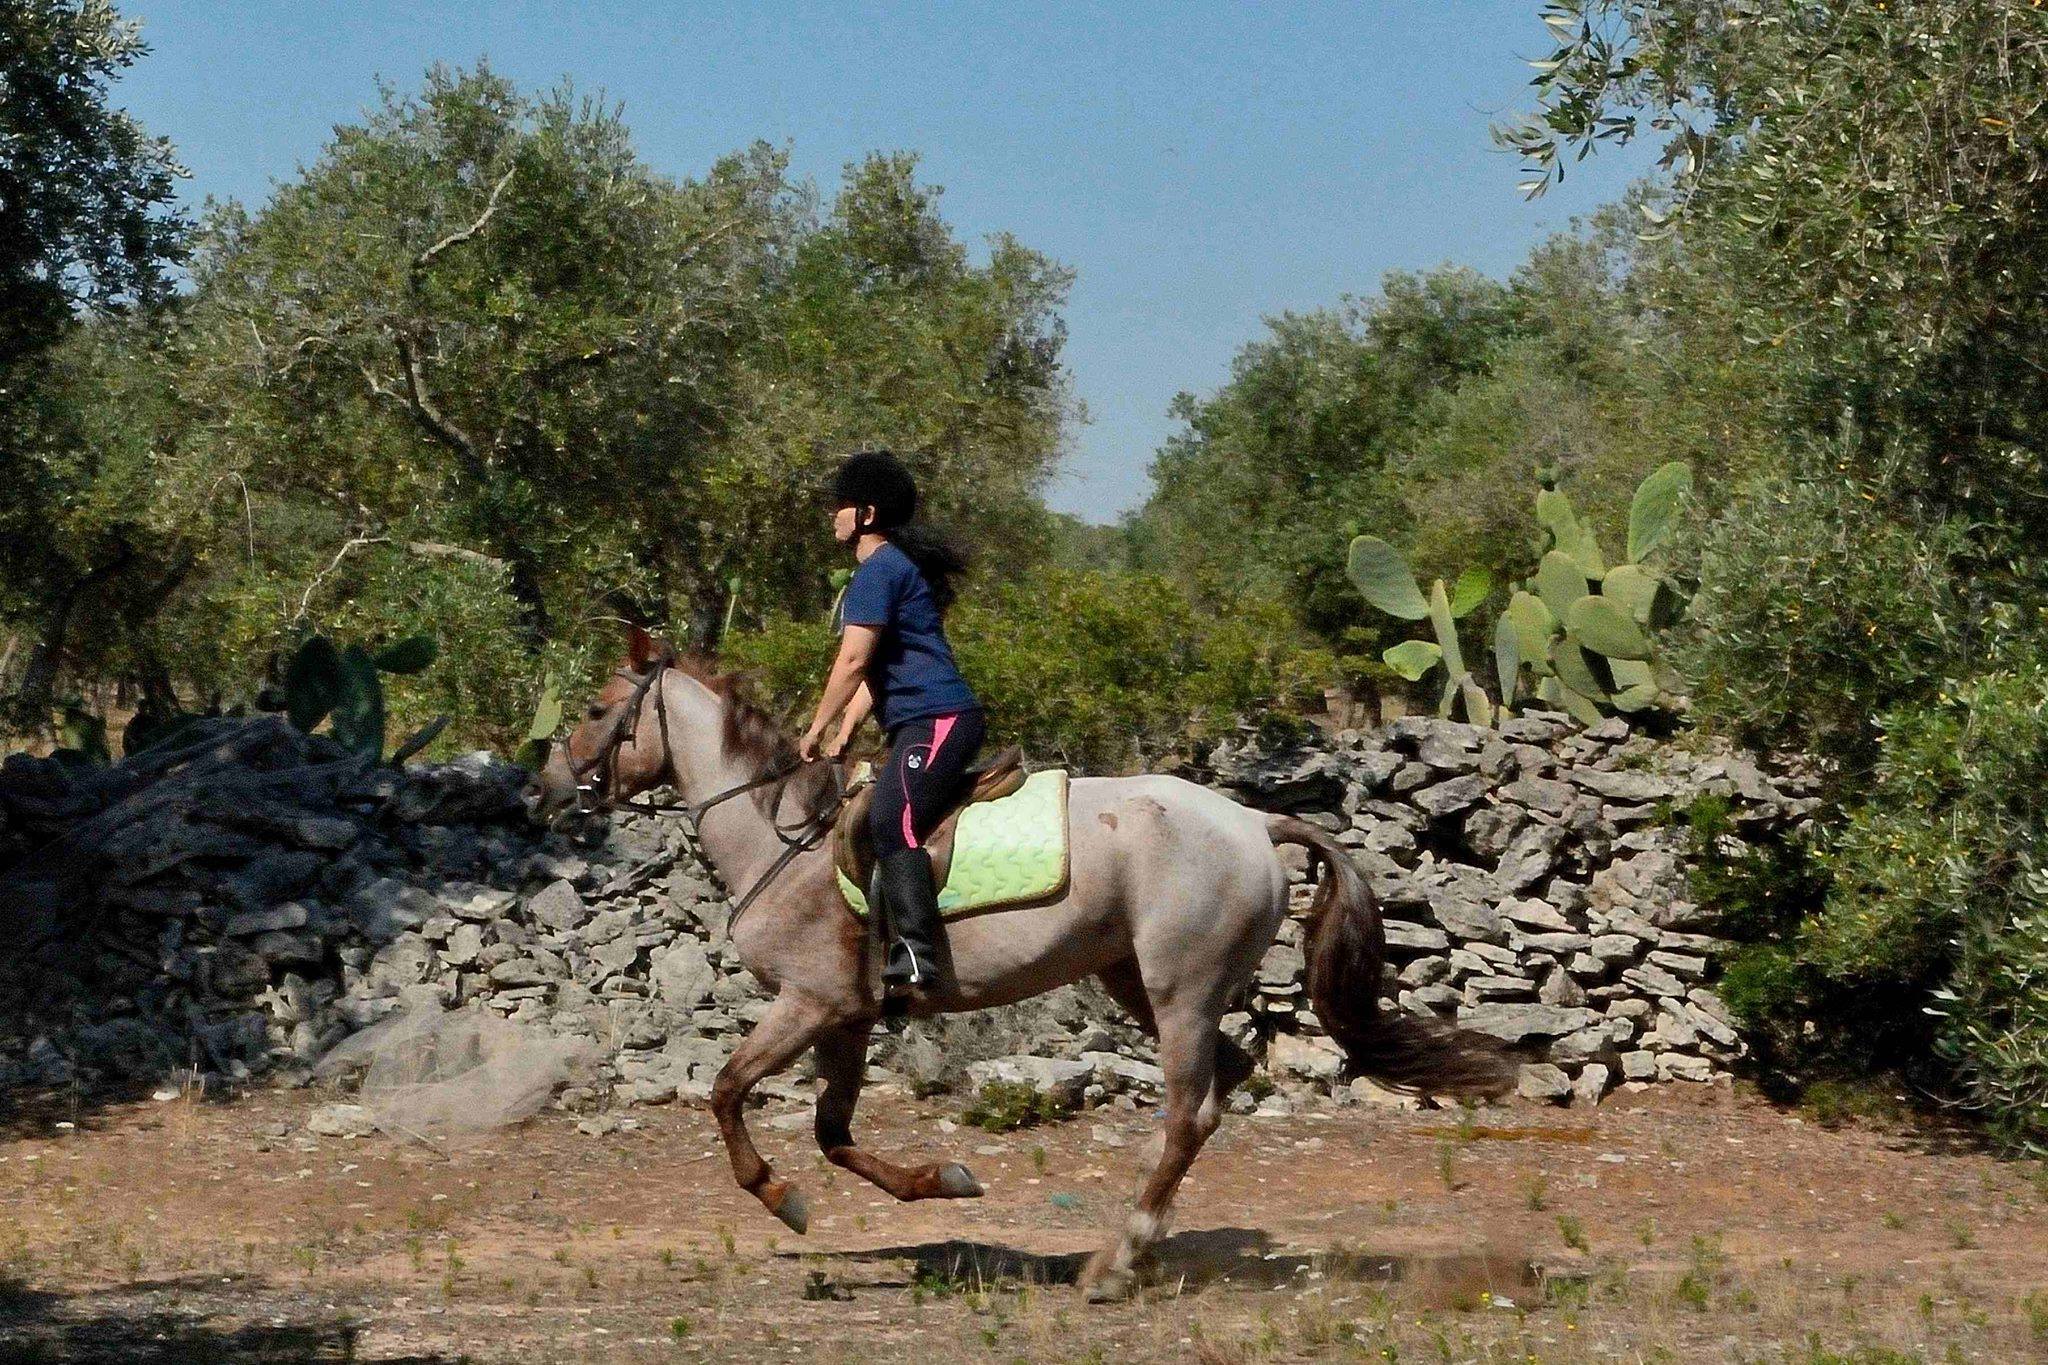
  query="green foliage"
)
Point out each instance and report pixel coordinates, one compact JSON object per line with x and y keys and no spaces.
{"x":1382,"y":576}
{"x":1106,"y":672}
{"x":91,"y":216}
{"x":1005,"y":1106}
{"x":1821,"y":604}
{"x":325,"y":682}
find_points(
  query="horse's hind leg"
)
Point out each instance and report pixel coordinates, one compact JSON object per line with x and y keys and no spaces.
{"x":1233,"y":1063}
{"x":789,"y":1027}
{"x":842,"y":1055}
{"x":1188,"y":1042}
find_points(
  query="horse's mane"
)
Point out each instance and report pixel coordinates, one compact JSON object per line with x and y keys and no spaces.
{"x":754,"y":736}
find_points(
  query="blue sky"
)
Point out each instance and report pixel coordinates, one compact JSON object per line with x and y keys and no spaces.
{"x":1200,"y":165}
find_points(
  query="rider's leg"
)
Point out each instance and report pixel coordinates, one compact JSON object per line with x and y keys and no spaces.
{"x":927,"y":759}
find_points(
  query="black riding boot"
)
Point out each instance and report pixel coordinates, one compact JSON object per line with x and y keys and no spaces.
{"x":913,"y":902}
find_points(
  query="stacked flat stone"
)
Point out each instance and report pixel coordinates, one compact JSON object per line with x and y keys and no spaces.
{"x":1533,"y":886}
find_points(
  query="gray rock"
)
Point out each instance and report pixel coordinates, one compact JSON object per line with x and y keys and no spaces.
{"x":1447,"y":798}
{"x":1615,"y":947}
{"x":1065,"y":1081}
{"x":615,"y":955}
{"x":1639,"y":1065}
{"x":520,"y":971}
{"x":1425,"y":971}
{"x":388,"y":907}
{"x":1585,"y":1044}
{"x":1542,"y":1081}
{"x":1653,"y":980}
{"x":1535,"y":727}
{"x":1529,"y":859}
{"x":1535,"y":913}
{"x":1462,"y":915}
{"x":1680,"y":964}
{"x":1402,"y":934}
{"x":480,"y":904}
{"x":682,"y":974}
{"x":557,"y":906}
{"x":1513,"y":1023}
{"x":1590,"y":1084}
{"x":463,"y":945}
{"x":341,"y":1120}
{"x":290,"y":915}
{"x":1679,"y":1066}
{"x":1316,"y":1059}
{"x":1540,"y":793}
{"x":1559,"y":989}
{"x":1624,"y":785}
{"x":1490,"y":829}
{"x":1282,"y":965}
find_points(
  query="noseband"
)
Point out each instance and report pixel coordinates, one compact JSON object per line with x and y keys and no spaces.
{"x":597,"y":779}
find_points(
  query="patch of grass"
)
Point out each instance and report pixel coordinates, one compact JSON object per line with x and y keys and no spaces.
{"x":1005,"y":1106}
{"x":1536,"y":1189}
{"x":1961,"y":1236}
{"x":1259,"y":1086}
{"x":1574,"y":1234}
{"x":1893,"y":1221}
{"x":678,"y":1328}
{"x":2035,"y":1309}
{"x":1833,"y":1103}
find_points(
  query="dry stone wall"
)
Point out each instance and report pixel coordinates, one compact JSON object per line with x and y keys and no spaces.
{"x":1533,"y":886}
{"x":238,"y":906}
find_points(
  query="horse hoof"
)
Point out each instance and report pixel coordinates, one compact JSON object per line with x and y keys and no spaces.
{"x":795,"y":1211}
{"x":1113,"y":1286}
{"x":957,"y":1182}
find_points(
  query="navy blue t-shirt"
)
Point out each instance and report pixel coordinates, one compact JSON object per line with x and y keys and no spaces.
{"x":911,"y":673}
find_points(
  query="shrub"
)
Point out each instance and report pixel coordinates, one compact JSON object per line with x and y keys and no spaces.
{"x":1101,"y":671}
{"x":1818,"y":606}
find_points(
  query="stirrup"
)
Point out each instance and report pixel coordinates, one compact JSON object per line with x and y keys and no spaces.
{"x":922,"y":969}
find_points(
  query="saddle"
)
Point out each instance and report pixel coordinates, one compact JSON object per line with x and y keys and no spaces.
{"x":853,"y":850}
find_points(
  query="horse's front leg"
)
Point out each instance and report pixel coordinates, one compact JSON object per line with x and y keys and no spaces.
{"x":842,"y":1062}
{"x":792,"y":1024}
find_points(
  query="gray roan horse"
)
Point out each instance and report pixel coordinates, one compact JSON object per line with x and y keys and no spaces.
{"x":1175,"y":894}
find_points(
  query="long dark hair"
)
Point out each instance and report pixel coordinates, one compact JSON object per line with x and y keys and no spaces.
{"x":937,"y":556}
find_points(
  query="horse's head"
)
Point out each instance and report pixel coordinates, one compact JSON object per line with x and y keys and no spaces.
{"x":616,"y":750}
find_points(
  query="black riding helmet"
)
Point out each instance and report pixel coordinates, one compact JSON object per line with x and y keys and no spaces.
{"x":877,"y":479}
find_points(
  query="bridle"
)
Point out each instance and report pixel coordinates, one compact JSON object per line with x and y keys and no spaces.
{"x":597,"y":776}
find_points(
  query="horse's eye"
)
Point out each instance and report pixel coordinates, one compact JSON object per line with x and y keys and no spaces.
{"x":597,"y":710}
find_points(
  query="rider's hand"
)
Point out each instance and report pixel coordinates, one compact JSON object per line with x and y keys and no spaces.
{"x":807,"y":747}
{"x":836,"y":750}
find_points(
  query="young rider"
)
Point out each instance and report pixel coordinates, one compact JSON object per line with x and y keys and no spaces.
{"x":894,"y":660}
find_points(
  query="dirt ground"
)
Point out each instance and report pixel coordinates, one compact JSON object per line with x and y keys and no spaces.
{"x":1679,"y":1224}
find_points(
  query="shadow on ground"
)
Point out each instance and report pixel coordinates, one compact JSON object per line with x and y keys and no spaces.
{"x":1241,"y":1257}
{"x":168,"y":1322}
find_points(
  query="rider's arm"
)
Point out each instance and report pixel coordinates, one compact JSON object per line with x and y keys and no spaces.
{"x":849,"y":670}
{"x":857,"y":710}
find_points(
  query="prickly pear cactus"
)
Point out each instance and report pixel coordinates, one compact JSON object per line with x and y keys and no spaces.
{"x":1383,"y":578}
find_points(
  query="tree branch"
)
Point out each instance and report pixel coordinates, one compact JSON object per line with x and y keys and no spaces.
{"x":460,"y":235}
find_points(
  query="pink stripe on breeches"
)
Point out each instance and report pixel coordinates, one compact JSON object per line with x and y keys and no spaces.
{"x":941,"y":727}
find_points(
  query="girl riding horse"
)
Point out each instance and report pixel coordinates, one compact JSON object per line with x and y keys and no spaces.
{"x":894,"y":660}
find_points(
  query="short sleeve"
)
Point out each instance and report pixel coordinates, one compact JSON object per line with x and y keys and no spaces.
{"x":870,"y":597}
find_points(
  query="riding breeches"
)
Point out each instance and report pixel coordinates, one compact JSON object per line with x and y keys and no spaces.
{"x":921,"y":778}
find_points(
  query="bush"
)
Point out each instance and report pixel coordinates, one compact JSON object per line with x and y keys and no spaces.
{"x":1940,"y":880}
{"x":1105,"y":672}
{"x":1817,"y":607}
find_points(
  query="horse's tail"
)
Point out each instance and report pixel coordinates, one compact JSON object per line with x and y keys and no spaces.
{"x":1346,"y":950}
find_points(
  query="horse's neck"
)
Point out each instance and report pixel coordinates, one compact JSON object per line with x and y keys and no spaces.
{"x":737,"y":835}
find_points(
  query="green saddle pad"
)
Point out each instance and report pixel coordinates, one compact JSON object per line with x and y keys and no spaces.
{"x":1004,"y":852}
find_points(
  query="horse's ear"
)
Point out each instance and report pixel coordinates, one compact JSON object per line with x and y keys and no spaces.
{"x":639,"y":648}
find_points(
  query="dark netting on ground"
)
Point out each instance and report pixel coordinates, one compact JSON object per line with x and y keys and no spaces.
{"x":434,"y":1074}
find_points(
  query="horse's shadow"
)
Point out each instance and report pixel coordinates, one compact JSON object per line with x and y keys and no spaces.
{"x":1238,"y":1257}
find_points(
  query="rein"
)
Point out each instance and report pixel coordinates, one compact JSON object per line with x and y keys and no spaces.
{"x":599,"y":773}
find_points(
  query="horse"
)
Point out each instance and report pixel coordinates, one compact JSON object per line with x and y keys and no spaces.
{"x":1174,"y":894}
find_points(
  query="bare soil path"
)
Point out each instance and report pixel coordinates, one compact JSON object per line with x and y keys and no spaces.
{"x":1681,"y":1224}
